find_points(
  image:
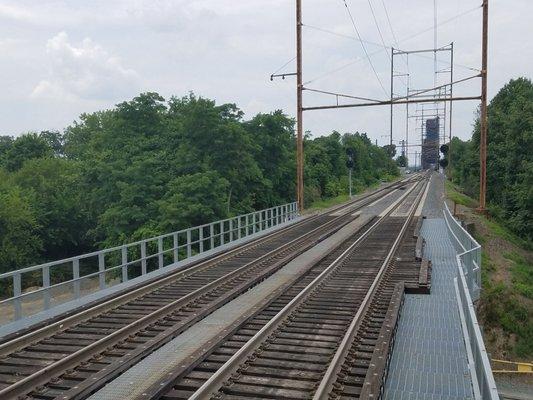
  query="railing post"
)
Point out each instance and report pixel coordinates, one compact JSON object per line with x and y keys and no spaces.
{"x":231,"y":230}
{"x":17,"y":291}
{"x":124,"y":264}
{"x":46,"y":287}
{"x":160,"y":252}
{"x":101,"y":270}
{"x":176,"y":247}
{"x":201,"y":239}
{"x":76,"y":277}
{"x":143,"y":258}
{"x":221,"y":233}
{"x":189,"y":250}
{"x":254,"y":223}
{"x":239,"y":227}
{"x":212,"y":236}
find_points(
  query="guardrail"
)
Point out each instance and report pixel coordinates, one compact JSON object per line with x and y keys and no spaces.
{"x":482,"y":378}
{"x":469,"y":253}
{"x":468,"y":286}
{"x":75,"y":277}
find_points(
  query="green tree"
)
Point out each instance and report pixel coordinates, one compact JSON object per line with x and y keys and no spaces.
{"x":20,"y":243}
{"x":193,"y":200}
{"x":401,"y":161}
{"x":26,"y":147}
{"x":509,"y":157}
{"x":52,"y":187}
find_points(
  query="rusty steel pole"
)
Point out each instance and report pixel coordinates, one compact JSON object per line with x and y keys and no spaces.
{"x":391,"y":92}
{"x":299,"y":110}
{"x":483,"y":121}
{"x":451,"y":113}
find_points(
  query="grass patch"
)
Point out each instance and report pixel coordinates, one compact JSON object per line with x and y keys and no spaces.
{"x":503,"y":310}
{"x":501,"y":231}
{"x":326,"y":203}
{"x":456,"y":196}
{"x":521,"y":274}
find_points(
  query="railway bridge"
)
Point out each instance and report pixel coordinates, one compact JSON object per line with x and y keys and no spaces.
{"x":372,"y":299}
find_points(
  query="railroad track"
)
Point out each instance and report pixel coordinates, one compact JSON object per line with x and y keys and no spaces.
{"x":287,"y":348}
{"x":74,"y":356}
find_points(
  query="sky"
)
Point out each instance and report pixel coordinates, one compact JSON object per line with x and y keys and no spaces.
{"x":59,"y":59}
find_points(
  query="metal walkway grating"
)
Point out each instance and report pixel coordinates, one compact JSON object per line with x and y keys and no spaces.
{"x":429,"y":360}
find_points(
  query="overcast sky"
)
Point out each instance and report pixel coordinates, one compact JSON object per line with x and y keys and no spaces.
{"x":61,"y":58}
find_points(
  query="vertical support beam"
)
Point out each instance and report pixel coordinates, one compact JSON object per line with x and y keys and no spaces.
{"x":160,"y":256}
{"x":391,"y":91}
{"x":299,"y":109}
{"x":451,"y":112}
{"x":407,"y":120}
{"x":101,"y":270}
{"x":76,"y":276}
{"x":201,"y":239}
{"x":483,"y":122}
{"x":176,"y":247}
{"x":143,"y":258}
{"x":212,"y":236}
{"x":46,"y":286}
{"x":350,"y":181}
{"x":189,"y":250}
{"x":254,"y":223}
{"x":17,"y":291}
{"x":124,"y":263}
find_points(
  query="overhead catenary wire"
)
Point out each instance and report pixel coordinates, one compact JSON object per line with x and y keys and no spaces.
{"x":363,"y":46}
{"x":395,"y":40}
{"x":381,"y":36}
{"x":284,"y":65}
{"x":444,"y":22}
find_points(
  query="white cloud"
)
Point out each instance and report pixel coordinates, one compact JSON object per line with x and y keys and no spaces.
{"x":226,"y":50}
{"x":86,"y":71}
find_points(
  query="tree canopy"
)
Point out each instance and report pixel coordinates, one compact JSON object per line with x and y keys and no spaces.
{"x":150,"y":166}
{"x":509,"y":157}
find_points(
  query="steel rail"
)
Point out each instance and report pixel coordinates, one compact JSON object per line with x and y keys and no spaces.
{"x":42,"y":376}
{"x":147,"y":287}
{"x":222,"y":374}
{"x":328,"y":380}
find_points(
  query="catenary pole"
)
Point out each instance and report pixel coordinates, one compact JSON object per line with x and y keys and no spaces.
{"x":483,"y":122}
{"x":299,"y":107}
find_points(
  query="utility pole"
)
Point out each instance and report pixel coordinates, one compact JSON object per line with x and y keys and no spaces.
{"x":391,"y":92}
{"x":299,"y":107}
{"x":483,"y":122}
{"x":451,"y":115}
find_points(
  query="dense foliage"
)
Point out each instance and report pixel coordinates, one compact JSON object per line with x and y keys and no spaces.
{"x":150,"y":166}
{"x":509,"y":158}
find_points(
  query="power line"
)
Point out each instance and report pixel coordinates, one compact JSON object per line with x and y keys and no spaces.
{"x":381,"y":36}
{"x":395,"y":40}
{"x":364,"y":47}
{"x":284,"y":65}
{"x":382,"y":49}
{"x":377,"y":25}
{"x":390,"y":24}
